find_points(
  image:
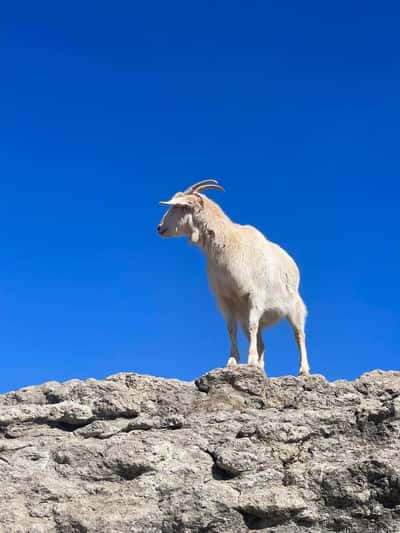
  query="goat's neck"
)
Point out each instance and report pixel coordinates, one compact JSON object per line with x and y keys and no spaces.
{"x":214,"y":231}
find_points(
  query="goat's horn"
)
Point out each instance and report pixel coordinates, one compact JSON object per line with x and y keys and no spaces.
{"x":195,"y":186}
{"x":210,"y":186}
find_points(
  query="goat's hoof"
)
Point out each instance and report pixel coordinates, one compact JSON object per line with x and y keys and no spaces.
{"x":232,"y":362}
{"x":304,"y":373}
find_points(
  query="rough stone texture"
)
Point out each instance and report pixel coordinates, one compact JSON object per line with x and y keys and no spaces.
{"x":231,"y":453}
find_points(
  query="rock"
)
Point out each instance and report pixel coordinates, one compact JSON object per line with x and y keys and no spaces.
{"x":72,"y":413}
{"x":274,"y":507}
{"x":232,"y":452}
{"x":102,"y":429}
{"x":241,"y":386}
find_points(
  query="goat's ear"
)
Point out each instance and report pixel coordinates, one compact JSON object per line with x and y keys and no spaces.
{"x":181,"y":200}
{"x":176,"y":201}
{"x":168,"y":202}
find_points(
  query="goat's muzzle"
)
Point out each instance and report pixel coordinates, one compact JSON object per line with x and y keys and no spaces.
{"x":161,"y":230}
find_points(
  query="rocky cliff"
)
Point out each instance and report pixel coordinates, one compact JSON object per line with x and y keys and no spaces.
{"x":231,"y":453}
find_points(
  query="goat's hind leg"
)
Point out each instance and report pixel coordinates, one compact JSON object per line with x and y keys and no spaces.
{"x":300,"y":337}
{"x":297,"y":319}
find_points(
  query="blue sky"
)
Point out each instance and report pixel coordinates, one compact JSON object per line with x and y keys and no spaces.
{"x":108,"y":108}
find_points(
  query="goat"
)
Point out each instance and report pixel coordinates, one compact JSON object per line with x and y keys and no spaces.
{"x":253,"y":279}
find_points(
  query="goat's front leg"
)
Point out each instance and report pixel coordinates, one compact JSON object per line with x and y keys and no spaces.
{"x":252,"y":333}
{"x":260,"y":349}
{"x":232,"y":330}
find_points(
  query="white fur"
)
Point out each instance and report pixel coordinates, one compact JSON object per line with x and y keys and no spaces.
{"x":256,"y":283}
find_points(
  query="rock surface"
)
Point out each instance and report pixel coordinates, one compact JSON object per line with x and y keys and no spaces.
{"x":231,"y":453}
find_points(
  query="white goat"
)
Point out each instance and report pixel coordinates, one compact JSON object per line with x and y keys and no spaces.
{"x":254,"y":280}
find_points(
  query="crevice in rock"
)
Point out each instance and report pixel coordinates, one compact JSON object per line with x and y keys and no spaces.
{"x":336,"y":524}
{"x":130,"y":472}
{"x":64,"y":426}
{"x":386,"y":483}
{"x":254,"y":522}
{"x":221,"y":475}
{"x":218,"y":472}
{"x":363,"y":417}
{"x":73,"y":526}
{"x":52,"y":398}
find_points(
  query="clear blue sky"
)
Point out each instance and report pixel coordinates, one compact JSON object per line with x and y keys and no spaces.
{"x":109,"y":107}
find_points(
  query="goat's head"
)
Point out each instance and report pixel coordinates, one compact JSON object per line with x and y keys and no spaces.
{"x":178,"y":220}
